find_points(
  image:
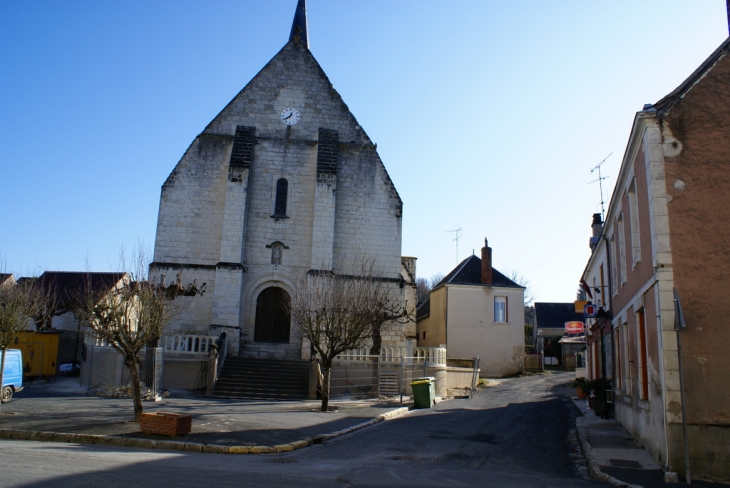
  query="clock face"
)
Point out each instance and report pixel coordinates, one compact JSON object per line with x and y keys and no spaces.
{"x":290,"y":116}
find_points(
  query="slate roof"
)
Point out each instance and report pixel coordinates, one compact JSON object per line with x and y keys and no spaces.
{"x":423,"y":310}
{"x":555,"y":315}
{"x":67,"y":285}
{"x":299,"y":25}
{"x":666,"y":103}
{"x":469,"y":272}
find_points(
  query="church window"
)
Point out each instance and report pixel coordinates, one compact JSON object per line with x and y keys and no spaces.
{"x":282,"y":188}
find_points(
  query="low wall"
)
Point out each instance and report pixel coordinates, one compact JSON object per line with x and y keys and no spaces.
{"x":457,"y":378}
{"x":184,"y":374}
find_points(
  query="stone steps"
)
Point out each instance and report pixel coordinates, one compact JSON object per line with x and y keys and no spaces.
{"x":263,"y":379}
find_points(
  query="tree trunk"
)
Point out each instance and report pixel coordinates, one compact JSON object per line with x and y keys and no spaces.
{"x":377,"y":341}
{"x":133,"y":367}
{"x":326,"y":368}
{"x":2,"y":368}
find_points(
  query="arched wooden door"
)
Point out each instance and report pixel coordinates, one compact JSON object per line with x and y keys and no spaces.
{"x":272,"y":318}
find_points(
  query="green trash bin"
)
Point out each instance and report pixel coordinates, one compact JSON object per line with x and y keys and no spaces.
{"x":424,"y":392}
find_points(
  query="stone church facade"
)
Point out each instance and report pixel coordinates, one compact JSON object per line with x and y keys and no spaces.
{"x":282,"y":182}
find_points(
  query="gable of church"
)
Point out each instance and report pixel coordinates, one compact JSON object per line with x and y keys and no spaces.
{"x":281,"y":182}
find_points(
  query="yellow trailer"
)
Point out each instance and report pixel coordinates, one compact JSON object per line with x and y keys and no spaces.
{"x":40,"y":352}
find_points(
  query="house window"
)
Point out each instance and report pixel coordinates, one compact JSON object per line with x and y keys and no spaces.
{"x":612,"y":253}
{"x":282,"y":188}
{"x":617,"y":354}
{"x":602,"y":290}
{"x":627,"y":362}
{"x":621,"y":247}
{"x":634,"y":220}
{"x":500,"y":309}
{"x":643,"y":356}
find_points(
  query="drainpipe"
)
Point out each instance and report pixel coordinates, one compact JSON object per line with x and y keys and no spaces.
{"x":610,"y":316}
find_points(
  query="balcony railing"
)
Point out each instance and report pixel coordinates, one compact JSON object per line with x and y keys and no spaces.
{"x":188,"y":344}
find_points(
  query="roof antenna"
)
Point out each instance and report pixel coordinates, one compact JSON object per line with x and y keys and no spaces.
{"x":457,"y":234}
{"x":600,"y":184}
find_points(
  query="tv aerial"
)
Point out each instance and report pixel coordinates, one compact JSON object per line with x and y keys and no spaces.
{"x":600,"y":184}
{"x":457,"y":234}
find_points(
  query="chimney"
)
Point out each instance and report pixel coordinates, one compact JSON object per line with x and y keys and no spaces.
{"x":486,"y":264}
{"x":597,"y":227}
{"x":597,"y":224}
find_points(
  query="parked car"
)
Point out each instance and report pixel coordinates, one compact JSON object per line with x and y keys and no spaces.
{"x":12,"y":375}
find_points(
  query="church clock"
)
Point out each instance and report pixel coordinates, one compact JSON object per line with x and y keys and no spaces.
{"x":290,"y":116}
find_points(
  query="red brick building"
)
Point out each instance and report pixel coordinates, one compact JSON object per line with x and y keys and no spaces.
{"x":667,"y":227}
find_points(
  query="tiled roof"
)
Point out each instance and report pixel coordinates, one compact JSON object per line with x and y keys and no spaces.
{"x":423,"y":310}
{"x":555,"y":315}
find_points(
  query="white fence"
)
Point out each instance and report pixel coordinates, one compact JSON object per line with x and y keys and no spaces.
{"x":434,"y":356}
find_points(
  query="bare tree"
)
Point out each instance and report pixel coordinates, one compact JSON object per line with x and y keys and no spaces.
{"x":134,"y":313}
{"x":529,"y":309}
{"x":520,"y":279}
{"x":423,"y":289}
{"x":51,"y":301}
{"x":18,"y":304}
{"x":337,"y":312}
{"x":425,"y":285}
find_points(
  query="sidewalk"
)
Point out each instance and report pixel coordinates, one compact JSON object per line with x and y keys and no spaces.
{"x":62,"y":411}
{"x":615,"y":457}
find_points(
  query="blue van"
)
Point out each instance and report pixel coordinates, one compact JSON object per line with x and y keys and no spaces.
{"x":13,"y":374}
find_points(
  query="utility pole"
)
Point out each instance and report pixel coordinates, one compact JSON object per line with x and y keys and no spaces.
{"x":457,"y":234}
{"x":600,"y":182}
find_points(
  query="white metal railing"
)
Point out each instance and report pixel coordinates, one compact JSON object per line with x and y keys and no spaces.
{"x":430,"y":355}
{"x":188,"y":344}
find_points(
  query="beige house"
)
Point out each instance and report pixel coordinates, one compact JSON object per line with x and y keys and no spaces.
{"x":476,"y":311}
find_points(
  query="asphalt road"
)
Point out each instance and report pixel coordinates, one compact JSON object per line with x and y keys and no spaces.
{"x":518,"y":433}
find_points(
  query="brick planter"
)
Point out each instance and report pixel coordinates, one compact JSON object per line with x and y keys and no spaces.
{"x":165,"y":423}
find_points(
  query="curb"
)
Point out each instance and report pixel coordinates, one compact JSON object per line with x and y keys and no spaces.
{"x":593,"y":468}
{"x":173,"y":445}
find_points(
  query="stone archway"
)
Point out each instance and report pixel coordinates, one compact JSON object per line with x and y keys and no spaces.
{"x":272,"y":319}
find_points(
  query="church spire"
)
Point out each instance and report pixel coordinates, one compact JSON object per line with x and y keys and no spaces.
{"x":299,"y":26}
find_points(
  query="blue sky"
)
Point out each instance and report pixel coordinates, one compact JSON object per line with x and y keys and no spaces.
{"x":488,"y":115}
